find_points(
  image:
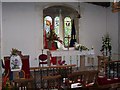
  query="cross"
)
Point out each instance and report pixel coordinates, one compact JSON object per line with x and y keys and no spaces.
{"x":68,"y":40}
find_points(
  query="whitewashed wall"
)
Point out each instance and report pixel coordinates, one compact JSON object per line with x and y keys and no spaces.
{"x":0,"y":46}
{"x":92,"y":26}
{"x":113,"y":29}
{"x":23,"y":27}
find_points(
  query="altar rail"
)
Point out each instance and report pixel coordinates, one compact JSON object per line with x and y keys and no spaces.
{"x":111,"y":78}
{"x":72,"y":57}
{"x":40,"y":72}
{"x":112,"y":69}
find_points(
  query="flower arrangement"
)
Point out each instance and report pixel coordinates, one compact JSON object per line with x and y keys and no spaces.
{"x":14,"y":51}
{"x":60,"y":62}
{"x":106,"y":45}
{"x":80,"y":47}
{"x":6,"y":82}
{"x":51,"y":35}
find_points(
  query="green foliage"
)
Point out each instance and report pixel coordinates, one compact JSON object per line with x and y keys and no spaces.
{"x":106,"y":45}
{"x":14,"y":51}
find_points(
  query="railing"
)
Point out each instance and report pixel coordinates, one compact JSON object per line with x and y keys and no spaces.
{"x":112,"y":69}
{"x":40,"y":72}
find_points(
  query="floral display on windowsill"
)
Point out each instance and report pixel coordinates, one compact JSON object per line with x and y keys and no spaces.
{"x":80,"y":47}
{"x":51,"y":38}
{"x":106,"y":45}
{"x":51,"y":42}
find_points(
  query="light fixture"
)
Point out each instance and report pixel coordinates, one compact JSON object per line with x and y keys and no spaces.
{"x":115,"y":6}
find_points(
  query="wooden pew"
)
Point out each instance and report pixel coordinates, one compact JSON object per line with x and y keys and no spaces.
{"x":42,"y":74}
{"x":85,"y":78}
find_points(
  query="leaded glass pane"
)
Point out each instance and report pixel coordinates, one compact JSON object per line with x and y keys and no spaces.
{"x":47,"y":23}
{"x":57,"y":25}
{"x":67,"y":30}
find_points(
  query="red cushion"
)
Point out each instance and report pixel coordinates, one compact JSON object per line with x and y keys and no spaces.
{"x":43,"y":63}
{"x":105,"y":80}
{"x":43,"y":57}
{"x":53,"y":60}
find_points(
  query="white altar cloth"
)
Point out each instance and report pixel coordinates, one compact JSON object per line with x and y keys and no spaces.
{"x":69,"y":55}
{"x":58,"y":53}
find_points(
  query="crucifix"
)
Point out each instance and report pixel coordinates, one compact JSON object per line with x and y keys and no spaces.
{"x":68,"y":37}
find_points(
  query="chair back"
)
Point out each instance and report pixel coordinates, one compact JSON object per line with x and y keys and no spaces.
{"x":85,"y":78}
{"x":42,"y":59}
{"x":25,"y":66}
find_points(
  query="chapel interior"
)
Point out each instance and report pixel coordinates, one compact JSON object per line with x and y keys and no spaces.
{"x":60,"y":45}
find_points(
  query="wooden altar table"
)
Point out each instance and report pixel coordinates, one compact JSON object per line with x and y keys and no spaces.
{"x":67,"y":53}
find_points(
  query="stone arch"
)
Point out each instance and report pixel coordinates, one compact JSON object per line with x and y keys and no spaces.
{"x":64,"y":7}
{"x":53,"y":10}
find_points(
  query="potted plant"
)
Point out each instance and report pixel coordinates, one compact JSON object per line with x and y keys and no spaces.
{"x":106,"y":45}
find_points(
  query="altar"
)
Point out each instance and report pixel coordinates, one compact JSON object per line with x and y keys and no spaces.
{"x":69,"y":54}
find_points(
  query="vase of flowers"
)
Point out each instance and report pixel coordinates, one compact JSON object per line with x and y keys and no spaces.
{"x":14,"y":51}
{"x":80,"y":47}
{"x":51,"y":38}
{"x":106,"y":45}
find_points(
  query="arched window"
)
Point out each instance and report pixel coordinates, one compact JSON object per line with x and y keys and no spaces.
{"x":60,"y":17}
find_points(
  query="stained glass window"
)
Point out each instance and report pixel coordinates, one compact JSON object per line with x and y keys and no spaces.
{"x":67,"y":30}
{"x":60,"y":18}
{"x":57,"y":25}
{"x":47,"y":23}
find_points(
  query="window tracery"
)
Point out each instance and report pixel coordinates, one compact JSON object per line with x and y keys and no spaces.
{"x":61,"y":22}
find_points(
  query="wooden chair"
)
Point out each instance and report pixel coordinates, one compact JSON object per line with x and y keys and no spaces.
{"x":25,"y":77}
{"x":42,"y":59}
